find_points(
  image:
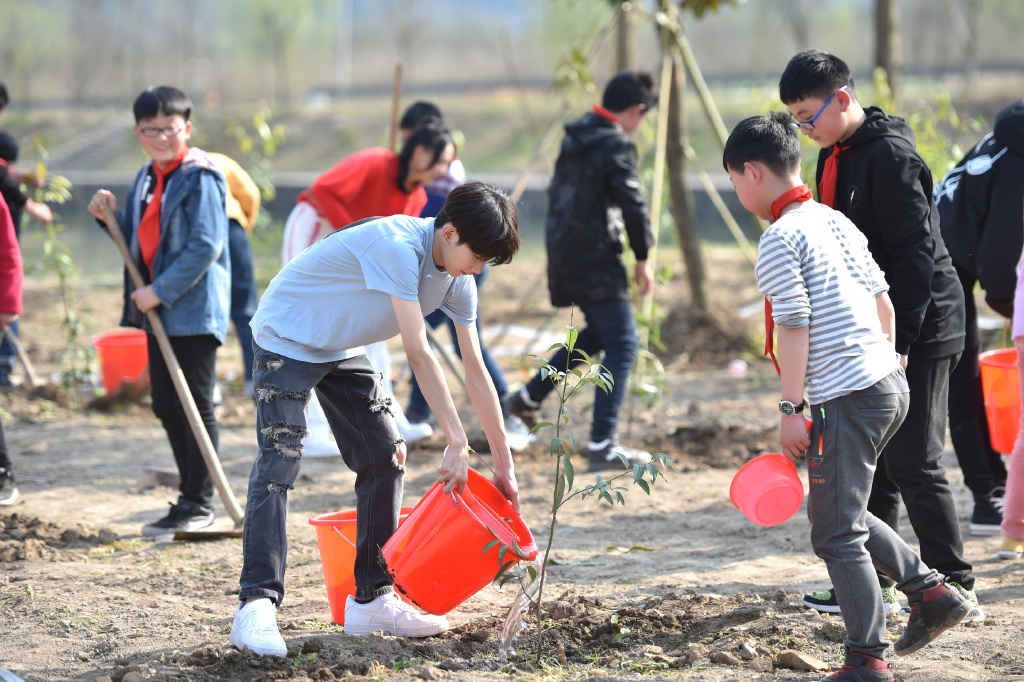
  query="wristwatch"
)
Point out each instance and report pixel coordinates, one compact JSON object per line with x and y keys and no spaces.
{"x":790,"y":408}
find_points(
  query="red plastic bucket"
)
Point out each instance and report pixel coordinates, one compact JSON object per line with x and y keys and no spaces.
{"x":1002,"y":397}
{"x":437,"y":557}
{"x":123,"y":356}
{"x":767,"y":489}
{"x":336,"y":538}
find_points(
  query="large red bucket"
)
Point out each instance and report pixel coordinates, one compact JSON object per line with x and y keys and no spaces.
{"x":123,"y":356}
{"x":437,"y":556}
{"x":1002,"y":397}
{"x":336,"y":537}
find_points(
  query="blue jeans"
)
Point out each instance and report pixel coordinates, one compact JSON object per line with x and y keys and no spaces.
{"x":609,"y":327}
{"x":7,"y":350}
{"x":418,"y":410}
{"x":244,"y":296}
{"x":360,"y":417}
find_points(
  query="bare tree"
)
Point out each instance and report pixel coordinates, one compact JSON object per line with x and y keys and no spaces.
{"x":625,"y":43}
{"x":887,"y":40}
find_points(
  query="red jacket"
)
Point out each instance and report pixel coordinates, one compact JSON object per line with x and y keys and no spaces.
{"x":11,"y":275}
{"x":363,"y":185}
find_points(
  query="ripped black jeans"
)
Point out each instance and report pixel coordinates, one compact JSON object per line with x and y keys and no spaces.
{"x":360,"y":418}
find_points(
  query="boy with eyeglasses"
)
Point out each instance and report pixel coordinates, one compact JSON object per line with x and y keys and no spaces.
{"x":176,"y":224}
{"x":869,"y":170}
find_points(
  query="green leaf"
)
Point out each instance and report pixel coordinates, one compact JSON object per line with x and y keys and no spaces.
{"x":532,"y":570}
{"x":570,"y":471}
{"x":489,"y":545}
{"x":571,"y":334}
{"x":540,"y":425}
{"x":501,"y":553}
{"x":644,"y":485}
{"x":559,"y":489}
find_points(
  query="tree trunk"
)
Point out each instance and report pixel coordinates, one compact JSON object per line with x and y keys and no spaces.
{"x":887,"y":40}
{"x":624,"y":40}
{"x":682,"y":199}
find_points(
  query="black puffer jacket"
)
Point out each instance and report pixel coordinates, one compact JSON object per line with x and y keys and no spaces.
{"x":981,"y":209}
{"x":885,"y":188}
{"x":594,"y":193}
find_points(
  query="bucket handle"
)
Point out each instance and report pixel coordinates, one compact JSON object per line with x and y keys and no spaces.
{"x":343,"y":536}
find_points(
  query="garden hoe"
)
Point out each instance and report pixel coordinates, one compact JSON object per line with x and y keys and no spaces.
{"x":187,"y":402}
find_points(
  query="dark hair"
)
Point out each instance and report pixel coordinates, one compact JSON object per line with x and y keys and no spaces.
{"x":417,"y":112}
{"x":162,"y":99}
{"x":431,"y":134}
{"x":4,"y":99}
{"x":485,"y":218}
{"x":8,"y":147}
{"x":813,"y":74}
{"x":629,"y":88}
{"x":771,"y":139}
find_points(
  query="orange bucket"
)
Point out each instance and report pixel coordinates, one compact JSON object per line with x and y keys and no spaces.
{"x":1002,"y":397}
{"x":123,"y":356}
{"x":336,"y":538}
{"x":767,"y":489}
{"x":437,"y":555}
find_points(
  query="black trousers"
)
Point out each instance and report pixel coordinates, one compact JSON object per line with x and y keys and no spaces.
{"x":968,"y":426}
{"x":197,"y":356}
{"x":5,"y":459}
{"x":909,"y":467}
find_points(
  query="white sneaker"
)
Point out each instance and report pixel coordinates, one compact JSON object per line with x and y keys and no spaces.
{"x":255,"y":629}
{"x":413,"y":431}
{"x":392,"y":616}
{"x":320,"y":443}
{"x":517,"y":433}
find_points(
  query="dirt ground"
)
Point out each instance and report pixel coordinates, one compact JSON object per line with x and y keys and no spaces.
{"x":675,"y":585}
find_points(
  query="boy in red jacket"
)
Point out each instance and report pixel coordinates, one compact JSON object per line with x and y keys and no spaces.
{"x":11,"y":278}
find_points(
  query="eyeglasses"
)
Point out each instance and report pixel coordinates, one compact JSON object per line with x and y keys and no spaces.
{"x":169,"y":131}
{"x":809,"y":125}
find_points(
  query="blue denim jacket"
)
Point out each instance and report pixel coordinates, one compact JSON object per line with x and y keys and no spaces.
{"x":191,"y":268}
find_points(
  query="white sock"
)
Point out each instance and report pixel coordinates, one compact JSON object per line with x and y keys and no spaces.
{"x":599,"y":446}
{"x":524,"y":394}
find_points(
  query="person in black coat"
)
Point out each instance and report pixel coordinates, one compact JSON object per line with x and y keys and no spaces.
{"x":594,"y":201}
{"x":981,"y":212}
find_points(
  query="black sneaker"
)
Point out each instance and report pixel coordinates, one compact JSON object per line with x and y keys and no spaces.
{"x":987,"y":517}
{"x":932,"y":611}
{"x":8,"y":491}
{"x":184,"y":516}
{"x":515,"y":404}
{"x":609,"y":457}
{"x":862,"y":668}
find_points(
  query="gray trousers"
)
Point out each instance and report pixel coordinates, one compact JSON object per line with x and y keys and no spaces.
{"x":853,"y":542}
{"x":359,"y":414}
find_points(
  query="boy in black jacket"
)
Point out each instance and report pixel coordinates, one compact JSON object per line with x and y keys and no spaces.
{"x":595,"y":195}
{"x":869,"y":170}
{"x":981,"y":211}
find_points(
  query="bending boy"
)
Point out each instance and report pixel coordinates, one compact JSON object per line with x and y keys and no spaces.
{"x":358,"y":286}
{"x":836,"y":337}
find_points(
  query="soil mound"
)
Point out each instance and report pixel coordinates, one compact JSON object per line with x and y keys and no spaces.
{"x":25,"y":537}
{"x":701,"y":337}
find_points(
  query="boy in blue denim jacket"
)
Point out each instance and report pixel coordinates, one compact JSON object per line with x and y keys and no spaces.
{"x":177,"y":228}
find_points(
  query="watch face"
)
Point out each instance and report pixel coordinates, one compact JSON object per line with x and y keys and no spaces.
{"x":787,"y":408}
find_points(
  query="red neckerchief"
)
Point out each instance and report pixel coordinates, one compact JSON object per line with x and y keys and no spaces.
{"x":800,"y":193}
{"x":829,"y":174}
{"x":3,"y":162}
{"x":149,"y":225}
{"x":605,"y":114}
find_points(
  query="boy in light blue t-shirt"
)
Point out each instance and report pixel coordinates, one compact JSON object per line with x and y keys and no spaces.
{"x":360,"y":285}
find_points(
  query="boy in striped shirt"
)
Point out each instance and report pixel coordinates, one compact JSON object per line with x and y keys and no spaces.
{"x":836,"y":329}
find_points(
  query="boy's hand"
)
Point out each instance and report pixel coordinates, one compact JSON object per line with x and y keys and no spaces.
{"x":903,"y":361}
{"x":103,"y":204}
{"x":6,"y":319}
{"x":793,"y":436}
{"x":507,"y":484}
{"x":454,"y":468}
{"x":644,"y":278}
{"x":145,"y":298}
{"x":39,"y":211}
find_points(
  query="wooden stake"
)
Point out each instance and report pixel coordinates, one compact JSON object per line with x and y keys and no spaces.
{"x":395,"y":91}
{"x":178,"y":378}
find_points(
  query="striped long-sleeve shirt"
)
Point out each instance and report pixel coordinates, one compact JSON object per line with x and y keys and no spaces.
{"x":815,"y":267}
